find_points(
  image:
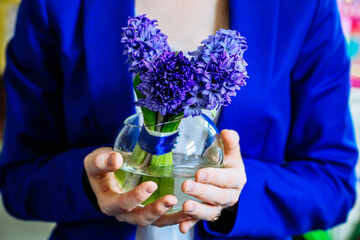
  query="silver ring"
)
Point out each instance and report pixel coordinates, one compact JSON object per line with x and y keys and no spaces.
{"x":218,"y":214}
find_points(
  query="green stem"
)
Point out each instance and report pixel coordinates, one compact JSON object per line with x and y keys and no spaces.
{"x":127,"y":180}
{"x":162,"y":165}
{"x":138,"y":156}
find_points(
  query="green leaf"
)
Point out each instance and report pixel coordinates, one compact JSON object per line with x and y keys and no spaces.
{"x":173,"y":126}
{"x":317,"y":235}
{"x":177,"y":116}
{"x":149,"y":116}
{"x":136,"y":83}
{"x":213,"y":112}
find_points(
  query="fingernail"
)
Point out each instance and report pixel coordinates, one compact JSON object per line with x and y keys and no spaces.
{"x":168,"y":205}
{"x":203,"y":177}
{"x":110,"y":161}
{"x":150,"y":190}
{"x":190,"y":187}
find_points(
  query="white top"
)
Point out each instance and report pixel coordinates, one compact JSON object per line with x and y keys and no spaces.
{"x":164,"y":233}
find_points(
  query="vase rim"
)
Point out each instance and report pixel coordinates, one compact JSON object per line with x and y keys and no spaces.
{"x":128,"y":119}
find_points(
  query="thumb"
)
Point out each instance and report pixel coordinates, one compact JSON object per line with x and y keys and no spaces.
{"x":230,"y":139}
{"x":102,"y":162}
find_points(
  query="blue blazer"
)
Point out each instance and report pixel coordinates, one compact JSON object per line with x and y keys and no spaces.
{"x":69,"y":90}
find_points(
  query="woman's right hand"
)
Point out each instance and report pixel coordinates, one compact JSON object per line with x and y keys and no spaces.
{"x":100,"y":166}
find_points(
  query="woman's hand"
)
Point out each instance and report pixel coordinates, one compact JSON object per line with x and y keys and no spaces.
{"x":218,"y":188}
{"x":100,"y":166}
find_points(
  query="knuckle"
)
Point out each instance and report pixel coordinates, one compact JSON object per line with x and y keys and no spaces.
{"x":120,"y":218}
{"x":126,"y":209}
{"x":230,"y":181}
{"x":149,"y":219}
{"x":137,"y":195}
{"x":97,"y":162}
{"x":143,"y":223}
{"x":106,"y":190}
{"x":157,"y":224}
{"x":223,"y":199}
{"x":156,"y":211}
{"x":124,"y":205}
{"x":233,"y":200}
{"x":104,"y":208}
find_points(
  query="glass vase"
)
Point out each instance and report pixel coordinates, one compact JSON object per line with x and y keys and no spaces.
{"x":167,"y":158}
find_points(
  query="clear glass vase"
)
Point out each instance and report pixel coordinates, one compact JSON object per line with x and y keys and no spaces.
{"x":168,"y":158}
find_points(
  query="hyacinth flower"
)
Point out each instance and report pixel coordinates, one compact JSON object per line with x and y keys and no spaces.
{"x":142,"y":40}
{"x":169,"y":87}
{"x":220,"y":71}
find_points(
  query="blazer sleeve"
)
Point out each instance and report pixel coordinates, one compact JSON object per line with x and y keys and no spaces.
{"x":40,"y":178}
{"x":315,"y":187}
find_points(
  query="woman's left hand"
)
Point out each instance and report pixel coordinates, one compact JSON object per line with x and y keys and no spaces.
{"x":217,"y":188}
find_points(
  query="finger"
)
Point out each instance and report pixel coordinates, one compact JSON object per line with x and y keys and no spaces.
{"x":172,"y":219}
{"x":185,"y":226}
{"x":211,"y":194}
{"x":144,"y":216}
{"x":230,"y":140}
{"x":98,"y":164}
{"x":112,"y":203}
{"x":222,"y":177}
{"x":201,"y":211}
{"x":131,"y":199}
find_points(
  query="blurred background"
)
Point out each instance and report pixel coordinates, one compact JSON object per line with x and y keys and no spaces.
{"x":13,"y":229}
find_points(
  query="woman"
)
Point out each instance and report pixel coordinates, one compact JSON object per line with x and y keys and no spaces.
{"x":68,"y":92}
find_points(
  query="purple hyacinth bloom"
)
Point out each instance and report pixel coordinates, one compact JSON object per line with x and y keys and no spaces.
{"x":220,"y":69}
{"x":167,"y":83}
{"x":142,"y":40}
{"x":173,"y":84}
{"x":192,"y":106}
{"x":229,"y":41}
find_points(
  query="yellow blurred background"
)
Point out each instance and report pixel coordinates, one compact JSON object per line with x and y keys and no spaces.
{"x":8,"y":10}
